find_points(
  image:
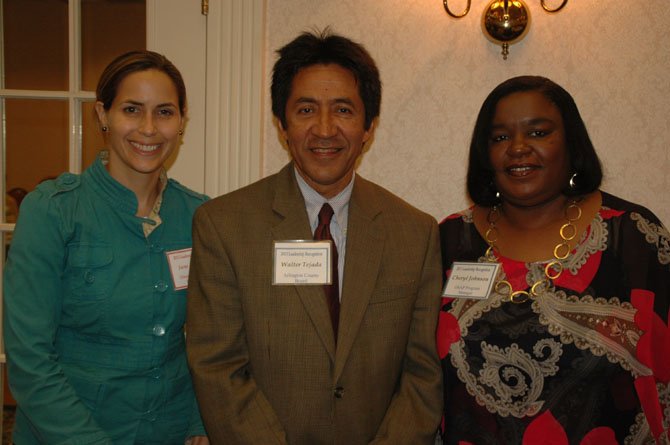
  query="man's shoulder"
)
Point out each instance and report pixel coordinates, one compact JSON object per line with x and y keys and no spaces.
{"x":374,"y":194}
{"x":251,"y":196}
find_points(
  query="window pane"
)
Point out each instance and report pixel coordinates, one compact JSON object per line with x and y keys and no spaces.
{"x":37,"y":144}
{"x":92,"y":141}
{"x":109,"y":28}
{"x":36,"y":48}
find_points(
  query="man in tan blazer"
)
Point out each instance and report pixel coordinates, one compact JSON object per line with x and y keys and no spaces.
{"x":353,"y":362}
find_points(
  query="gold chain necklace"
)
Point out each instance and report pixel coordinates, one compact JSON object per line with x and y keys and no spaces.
{"x":552,"y":270}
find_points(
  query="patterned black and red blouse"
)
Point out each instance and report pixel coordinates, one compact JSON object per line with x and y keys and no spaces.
{"x":586,"y":362}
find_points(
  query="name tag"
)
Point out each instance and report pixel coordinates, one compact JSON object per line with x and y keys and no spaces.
{"x":299,"y":262}
{"x":471,"y":280}
{"x":179,"y":262}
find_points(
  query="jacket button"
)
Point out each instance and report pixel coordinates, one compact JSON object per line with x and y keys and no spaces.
{"x":158,"y":330}
{"x":339,"y":392}
{"x":89,"y":278}
{"x":161,"y":286}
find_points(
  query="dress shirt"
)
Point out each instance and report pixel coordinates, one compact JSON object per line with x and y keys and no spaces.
{"x":338,"y":224}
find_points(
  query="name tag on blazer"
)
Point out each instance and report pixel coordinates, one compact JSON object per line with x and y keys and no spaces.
{"x":302,"y":262}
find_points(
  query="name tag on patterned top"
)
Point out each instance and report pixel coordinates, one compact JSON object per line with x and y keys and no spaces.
{"x":471,"y":280}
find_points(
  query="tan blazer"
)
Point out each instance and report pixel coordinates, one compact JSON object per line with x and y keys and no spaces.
{"x":263,"y":357}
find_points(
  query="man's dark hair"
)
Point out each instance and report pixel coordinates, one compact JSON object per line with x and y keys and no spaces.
{"x":322,"y":49}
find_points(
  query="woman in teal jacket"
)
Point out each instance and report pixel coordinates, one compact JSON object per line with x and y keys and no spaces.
{"x":95,"y":283}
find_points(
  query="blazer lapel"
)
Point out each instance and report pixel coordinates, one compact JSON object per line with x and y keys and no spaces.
{"x":292,"y":223}
{"x":365,"y":245}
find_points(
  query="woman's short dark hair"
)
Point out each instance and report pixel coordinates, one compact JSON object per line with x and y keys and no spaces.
{"x":322,"y":49}
{"x":583,"y":158}
{"x":132,"y":62}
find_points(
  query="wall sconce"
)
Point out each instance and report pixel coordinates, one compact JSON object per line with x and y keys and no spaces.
{"x":504,"y":22}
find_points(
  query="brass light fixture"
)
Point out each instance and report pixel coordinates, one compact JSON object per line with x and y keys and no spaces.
{"x":504,"y":21}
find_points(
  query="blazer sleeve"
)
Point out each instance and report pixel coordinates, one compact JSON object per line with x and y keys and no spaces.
{"x":32,"y":307}
{"x":416,"y":408}
{"x":233,"y":408}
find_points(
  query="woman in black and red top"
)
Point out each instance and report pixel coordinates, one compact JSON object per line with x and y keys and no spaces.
{"x":572,"y":344}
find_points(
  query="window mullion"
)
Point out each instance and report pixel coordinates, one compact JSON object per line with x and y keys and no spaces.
{"x":74,"y":85}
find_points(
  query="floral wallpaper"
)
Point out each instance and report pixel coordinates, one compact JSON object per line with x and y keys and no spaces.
{"x":613,"y":57}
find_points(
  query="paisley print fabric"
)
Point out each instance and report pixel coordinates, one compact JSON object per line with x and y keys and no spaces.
{"x":587,"y":362}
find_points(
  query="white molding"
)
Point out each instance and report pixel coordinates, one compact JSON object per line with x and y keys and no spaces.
{"x":233,"y":128}
{"x":178,"y":29}
{"x":74,"y":80}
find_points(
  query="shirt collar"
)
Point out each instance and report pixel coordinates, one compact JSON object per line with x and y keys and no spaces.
{"x":155,"y":211}
{"x":123,"y":198}
{"x":314,"y":201}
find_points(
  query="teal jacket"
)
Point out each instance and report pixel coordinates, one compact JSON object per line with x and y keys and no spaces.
{"x":93,"y":325}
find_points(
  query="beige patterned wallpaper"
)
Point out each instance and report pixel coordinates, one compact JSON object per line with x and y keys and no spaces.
{"x":613,"y":57}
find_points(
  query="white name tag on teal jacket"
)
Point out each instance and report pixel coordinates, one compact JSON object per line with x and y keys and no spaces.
{"x":179,"y":262}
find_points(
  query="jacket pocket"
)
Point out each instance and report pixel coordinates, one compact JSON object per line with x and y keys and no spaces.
{"x":394,"y":292}
{"x":90,"y":393}
{"x":88,"y":271}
